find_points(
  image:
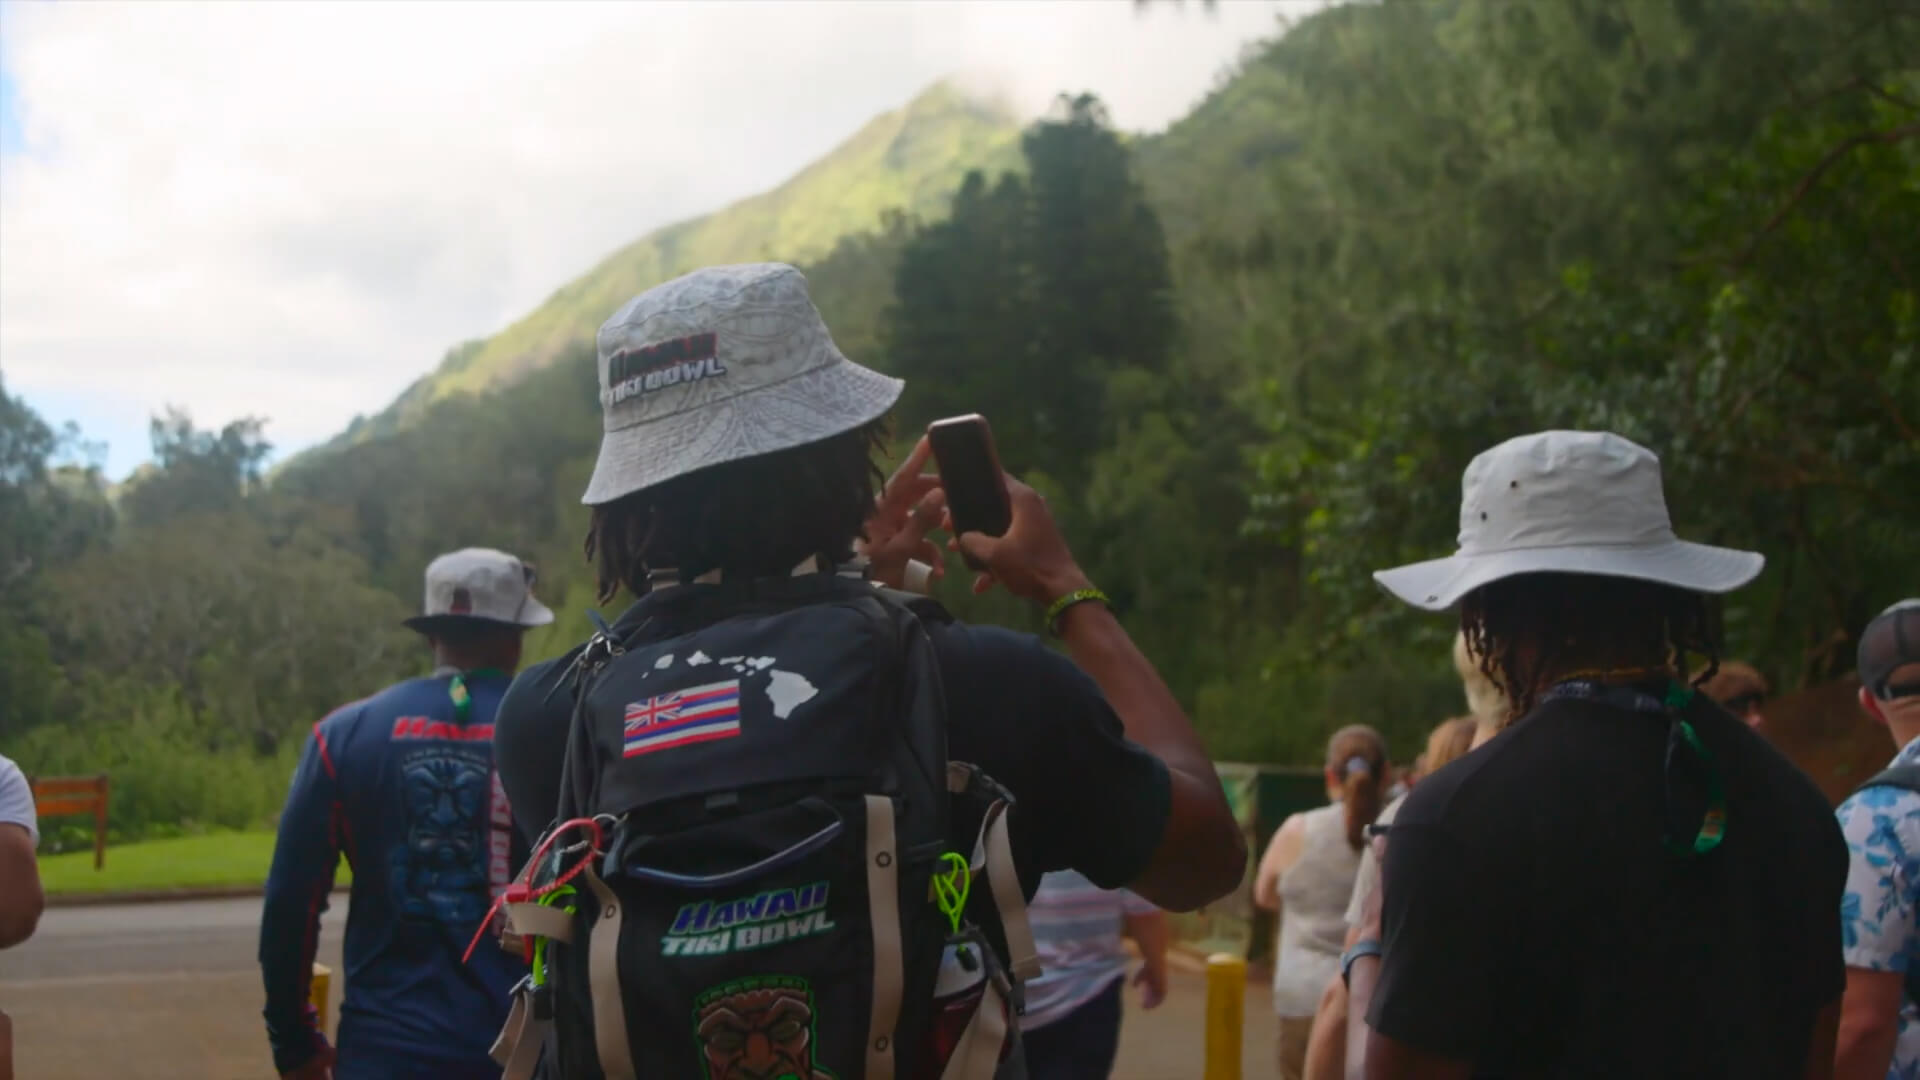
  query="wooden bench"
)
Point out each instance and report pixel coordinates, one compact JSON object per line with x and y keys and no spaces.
{"x":72,"y":796}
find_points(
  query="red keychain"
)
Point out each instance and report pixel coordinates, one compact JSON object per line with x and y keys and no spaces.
{"x":520,"y":893}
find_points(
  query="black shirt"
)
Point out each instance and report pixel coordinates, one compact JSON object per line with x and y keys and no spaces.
{"x":1085,"y":798}
{"x":1535,"y":925}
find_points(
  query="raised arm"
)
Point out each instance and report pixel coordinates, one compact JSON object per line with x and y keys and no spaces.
{"x":1201,"y":855}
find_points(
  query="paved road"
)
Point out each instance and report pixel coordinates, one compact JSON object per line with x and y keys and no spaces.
{"x":170,"y":992}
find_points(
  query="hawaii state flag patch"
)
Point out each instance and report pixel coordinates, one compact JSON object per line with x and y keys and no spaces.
{"x":696,"y":715}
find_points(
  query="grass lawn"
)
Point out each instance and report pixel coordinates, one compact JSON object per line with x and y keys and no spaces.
{"x":216,"y":859}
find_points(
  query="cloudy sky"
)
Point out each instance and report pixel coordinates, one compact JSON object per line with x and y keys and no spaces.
{"x":293,"y":209}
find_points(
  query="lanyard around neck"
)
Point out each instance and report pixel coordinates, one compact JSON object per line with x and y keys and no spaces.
{"x":457,"y":687}
{"x":1681,"y":738}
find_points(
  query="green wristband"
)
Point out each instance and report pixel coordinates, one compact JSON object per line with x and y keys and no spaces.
{"x":1077,"y":596}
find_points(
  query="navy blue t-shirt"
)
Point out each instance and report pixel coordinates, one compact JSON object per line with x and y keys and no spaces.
{"x":404,"y":786}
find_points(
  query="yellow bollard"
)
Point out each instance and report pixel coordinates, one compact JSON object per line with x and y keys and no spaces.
{"x":1226,"y":1011}
{"x":317,"y":993}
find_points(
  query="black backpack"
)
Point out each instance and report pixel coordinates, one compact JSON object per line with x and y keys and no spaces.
{"x":764,"y":767}
{"x":1907,"y":778}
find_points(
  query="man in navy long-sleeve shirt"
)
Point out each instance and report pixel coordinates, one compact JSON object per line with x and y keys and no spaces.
{"x":403,"y":784}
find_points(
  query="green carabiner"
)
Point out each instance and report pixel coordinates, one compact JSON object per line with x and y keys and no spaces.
{"x":539,"y":972}
{"x":950,"y":888}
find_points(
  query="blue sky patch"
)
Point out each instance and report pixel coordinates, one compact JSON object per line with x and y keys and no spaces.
{"x":13,"y":137}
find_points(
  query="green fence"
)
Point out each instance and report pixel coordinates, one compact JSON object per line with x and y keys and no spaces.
{"x":1262,"y":796}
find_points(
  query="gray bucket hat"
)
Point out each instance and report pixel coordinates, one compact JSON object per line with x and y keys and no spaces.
{"x":724,"y":363}
{"x":1573,"y":502}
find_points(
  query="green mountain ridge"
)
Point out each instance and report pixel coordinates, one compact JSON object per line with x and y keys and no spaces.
{"x":909,"y":160}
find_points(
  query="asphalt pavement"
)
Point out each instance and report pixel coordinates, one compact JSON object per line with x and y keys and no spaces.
{"x":171,"y":991}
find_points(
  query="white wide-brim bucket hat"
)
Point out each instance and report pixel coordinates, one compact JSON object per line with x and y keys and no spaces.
{"x":720,"y":364}
{"x":1570,"y":502}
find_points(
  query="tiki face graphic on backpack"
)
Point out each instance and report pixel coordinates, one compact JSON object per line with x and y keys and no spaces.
{"x":758,"y":1028}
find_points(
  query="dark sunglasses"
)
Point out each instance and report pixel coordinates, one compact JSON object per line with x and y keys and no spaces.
{"x":1900,"y":690}
{"x":1740,"y":704}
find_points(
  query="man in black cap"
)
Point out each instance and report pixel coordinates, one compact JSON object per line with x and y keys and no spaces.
{"x":1879,"y":1023}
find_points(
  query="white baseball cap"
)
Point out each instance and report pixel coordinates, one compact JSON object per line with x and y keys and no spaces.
{"x":1571,"y":502}
{"x":724,"y":363}
{"x":480,"y":584}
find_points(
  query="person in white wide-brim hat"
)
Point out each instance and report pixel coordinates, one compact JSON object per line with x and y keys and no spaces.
{"x":1627,"y":881}
{"x":1572,"y":502}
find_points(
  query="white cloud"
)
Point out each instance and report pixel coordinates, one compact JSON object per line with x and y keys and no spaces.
{"x":293,"y":209}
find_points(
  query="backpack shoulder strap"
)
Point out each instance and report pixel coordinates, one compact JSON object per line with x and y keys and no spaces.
{"x":1905,"y":777}
{"x":924,"y":608}
{"x":600,"y":649}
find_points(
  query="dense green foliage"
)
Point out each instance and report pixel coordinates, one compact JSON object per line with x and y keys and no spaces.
{"x":1247,"y":359}
{"x":185,"y":646}
{"x":1676,"y":221}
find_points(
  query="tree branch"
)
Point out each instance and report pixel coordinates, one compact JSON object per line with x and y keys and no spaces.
{"x":1860,"y":82}
{"x":1807,"y":182}
{"x":1888,"y":96}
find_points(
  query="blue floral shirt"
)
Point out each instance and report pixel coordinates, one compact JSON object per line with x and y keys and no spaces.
{"x":1877,"y":912}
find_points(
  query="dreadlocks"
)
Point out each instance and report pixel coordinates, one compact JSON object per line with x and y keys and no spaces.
{"x":1529,"y":630}
{"x":755,"y":517}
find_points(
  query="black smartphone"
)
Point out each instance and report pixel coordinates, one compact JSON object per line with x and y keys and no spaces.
{"x":970,"y":472}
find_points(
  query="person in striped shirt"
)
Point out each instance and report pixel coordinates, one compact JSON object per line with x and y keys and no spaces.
{"x":1071,"y":1028}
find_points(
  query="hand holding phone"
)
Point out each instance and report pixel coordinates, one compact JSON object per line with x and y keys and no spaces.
{"x":970,"y":473}
{"x":1000,"y":525}
{"x":895,"y":543}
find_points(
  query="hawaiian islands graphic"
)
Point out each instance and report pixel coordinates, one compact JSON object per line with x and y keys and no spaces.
{"x":787,"y":690}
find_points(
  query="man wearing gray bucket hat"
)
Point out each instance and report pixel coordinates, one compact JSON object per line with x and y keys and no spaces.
{"x":402,"y":784}
{"x":738,"y":467}
{"x":1628,"y":881}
